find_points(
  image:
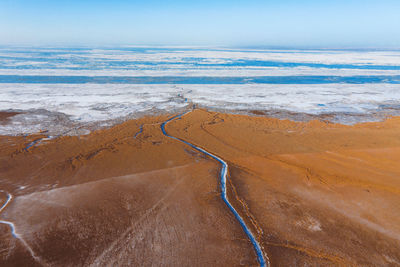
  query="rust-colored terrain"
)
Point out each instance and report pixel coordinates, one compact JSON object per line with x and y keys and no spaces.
{"x":323,"y":194}
{"x":5,"y":116}
{"x":314,"y":193}
{"x":110,"y":199}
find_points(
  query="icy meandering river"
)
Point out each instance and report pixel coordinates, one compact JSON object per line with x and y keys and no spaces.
{"x":14,"y":232}
{"x":261,"y":257}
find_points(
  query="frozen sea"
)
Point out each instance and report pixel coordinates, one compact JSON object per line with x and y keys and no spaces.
{"x":64,"y":89}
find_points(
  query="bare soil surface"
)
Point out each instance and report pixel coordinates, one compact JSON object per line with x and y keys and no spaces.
{"x":5,"y":116}
{"x":314,"y":193}
{"x":323,"y":194}
{"x":110,"y":199}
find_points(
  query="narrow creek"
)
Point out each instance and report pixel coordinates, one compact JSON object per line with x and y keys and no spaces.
{"x":263,"y":261}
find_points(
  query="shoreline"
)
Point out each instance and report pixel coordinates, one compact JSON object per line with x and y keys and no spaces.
{"x":68,"y":127}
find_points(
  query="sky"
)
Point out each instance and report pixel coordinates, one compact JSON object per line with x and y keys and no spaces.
{"x":258,"y":23}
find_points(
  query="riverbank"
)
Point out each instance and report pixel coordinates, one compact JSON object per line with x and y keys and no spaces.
{"x":314,"y":193}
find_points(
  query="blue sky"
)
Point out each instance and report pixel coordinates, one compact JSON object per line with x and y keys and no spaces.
{"x":288,"y":23}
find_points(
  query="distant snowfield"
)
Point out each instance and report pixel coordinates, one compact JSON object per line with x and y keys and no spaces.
{"x":353,"y":82}
{"x":196,"y":62}
{"x":88,"y":103}
{"x":207,"y":55}
{"x":204,"y":71}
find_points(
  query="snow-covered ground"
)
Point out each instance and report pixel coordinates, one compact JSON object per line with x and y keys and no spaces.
{"x":61,"y":107}
{"x":88,"y":103}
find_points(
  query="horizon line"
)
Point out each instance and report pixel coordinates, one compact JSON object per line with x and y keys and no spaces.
{"x":194,"y":46}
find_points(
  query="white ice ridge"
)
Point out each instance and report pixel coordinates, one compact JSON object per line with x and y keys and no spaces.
{"x":211,"y":55}
{"x":86,"y":103}
{"x":14,"y":232}
{"x":190,"y":71}
{"x":196,"y":62}
{"x":95,"y":102}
